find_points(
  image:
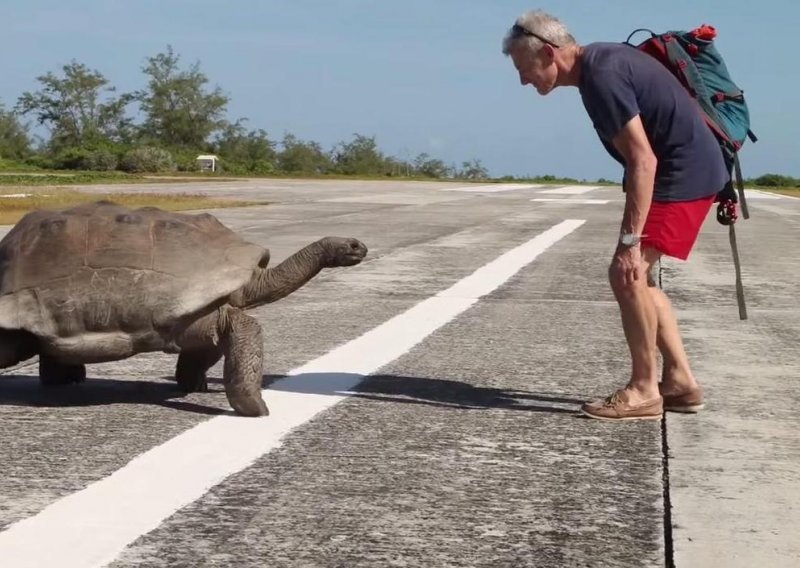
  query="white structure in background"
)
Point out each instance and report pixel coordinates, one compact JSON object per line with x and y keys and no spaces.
{"x":207,"y":162}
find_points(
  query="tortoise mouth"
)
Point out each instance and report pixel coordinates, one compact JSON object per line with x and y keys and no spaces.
{"x":355,"y":256}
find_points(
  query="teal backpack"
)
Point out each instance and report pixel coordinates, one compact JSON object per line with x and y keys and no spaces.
{"x":695,"y":61}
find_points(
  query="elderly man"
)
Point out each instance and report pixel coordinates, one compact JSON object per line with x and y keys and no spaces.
{"x":673,"y":169}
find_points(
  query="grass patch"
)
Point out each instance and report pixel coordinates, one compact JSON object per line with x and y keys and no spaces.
{"x":35,"y":179}
{"x":71,"y":178}
{"x":13,"y":207}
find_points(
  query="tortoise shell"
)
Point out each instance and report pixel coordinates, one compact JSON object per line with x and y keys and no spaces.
{"x":101,"y":267}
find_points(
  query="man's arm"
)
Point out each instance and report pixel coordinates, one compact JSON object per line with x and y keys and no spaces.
{"x":640,"y":174}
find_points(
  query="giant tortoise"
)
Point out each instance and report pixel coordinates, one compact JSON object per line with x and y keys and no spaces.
{"x":101,"y":282}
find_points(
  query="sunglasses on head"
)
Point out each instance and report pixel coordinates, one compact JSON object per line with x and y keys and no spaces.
{"x":517,"y":29}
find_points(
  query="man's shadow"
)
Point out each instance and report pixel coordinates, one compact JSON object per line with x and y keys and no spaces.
{"x":448,"y":393}
{"x":23,"y":390}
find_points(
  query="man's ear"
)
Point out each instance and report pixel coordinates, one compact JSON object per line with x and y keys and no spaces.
{"x":549,"y":52}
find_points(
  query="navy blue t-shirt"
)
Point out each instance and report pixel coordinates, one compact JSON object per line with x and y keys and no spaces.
{"x":617,"y":83}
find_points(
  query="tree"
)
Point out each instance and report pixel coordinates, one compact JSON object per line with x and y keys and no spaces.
{"x":360,"y":156}
{"x":245,"y":152}
{"x":426,"y":166}
{"x":14,"y":141}
{"x":303,"y":157}
{"x":73,"y":107}
{"x":398,"y":167}
{"x":178,"y":110}
{"x":473,"y":170}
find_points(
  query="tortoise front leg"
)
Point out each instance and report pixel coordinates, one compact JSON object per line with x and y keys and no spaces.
{"x":52,"y":373}
{"x":244,"y":365}
{"x":237,"y":336}
{"x":192,"y":367}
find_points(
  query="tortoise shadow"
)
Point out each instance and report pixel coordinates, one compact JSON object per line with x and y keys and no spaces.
{"x":25,"y":390}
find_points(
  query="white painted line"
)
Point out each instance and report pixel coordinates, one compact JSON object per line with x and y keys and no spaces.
{"x":93,"y":526}
{"x":569,"y":200}
{"x":572,"y":189}
{"x":493,"y":188}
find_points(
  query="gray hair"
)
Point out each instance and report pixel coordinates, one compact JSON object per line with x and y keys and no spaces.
{"x":537,"y":23}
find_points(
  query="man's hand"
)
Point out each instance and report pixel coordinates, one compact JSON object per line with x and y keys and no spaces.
{"x":627,"y":264}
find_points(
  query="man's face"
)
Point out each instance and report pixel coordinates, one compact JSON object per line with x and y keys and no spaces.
{"x":535,"y":68}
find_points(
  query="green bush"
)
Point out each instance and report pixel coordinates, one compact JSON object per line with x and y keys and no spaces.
{"x":185,"y":160}
{"x":775,"y":180}
{"x":261,"y":167}
{"x":147,"y":159}
{"x":100,"y":160}
{"x":254,"y":168}
{"x":40,"y":162}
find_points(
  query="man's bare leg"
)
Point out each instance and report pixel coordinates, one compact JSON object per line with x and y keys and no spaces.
{"x":640,"y":324}
{"x":677,"y":376}
{"x":640,"y":399}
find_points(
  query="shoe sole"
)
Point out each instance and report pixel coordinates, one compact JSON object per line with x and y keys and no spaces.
{"x":623,"y":418}
{"x":693,"y":409}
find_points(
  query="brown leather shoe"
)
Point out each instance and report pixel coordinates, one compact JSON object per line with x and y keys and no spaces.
{"x":618,"y":407}
{"x":690,"y":401}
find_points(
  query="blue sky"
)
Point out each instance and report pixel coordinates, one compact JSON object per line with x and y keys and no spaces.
{"x":419,"y":75}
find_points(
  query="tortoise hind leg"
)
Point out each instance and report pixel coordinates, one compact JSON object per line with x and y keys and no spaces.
{"x":192,"y":367}
{"x":52,"y":373}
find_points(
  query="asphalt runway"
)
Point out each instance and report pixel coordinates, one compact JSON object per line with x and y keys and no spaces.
{"x":424,"y":403}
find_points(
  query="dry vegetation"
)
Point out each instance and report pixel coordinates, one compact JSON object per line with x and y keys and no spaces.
{"x":790,"y":191}
{"x":14,"y":203}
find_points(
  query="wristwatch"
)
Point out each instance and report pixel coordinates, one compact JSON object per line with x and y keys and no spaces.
{"x":629,"y":239}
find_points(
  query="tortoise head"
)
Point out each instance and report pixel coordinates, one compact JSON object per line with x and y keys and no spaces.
{"x":341,"y":251}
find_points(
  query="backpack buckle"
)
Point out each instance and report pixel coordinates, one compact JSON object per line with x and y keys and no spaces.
{"x":726,"y":212}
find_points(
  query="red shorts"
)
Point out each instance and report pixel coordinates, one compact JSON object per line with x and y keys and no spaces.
{"x":672,"y":227}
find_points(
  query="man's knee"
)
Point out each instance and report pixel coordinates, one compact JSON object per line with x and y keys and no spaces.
{"x":650,"y":272}
{"x":617,"y":277}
